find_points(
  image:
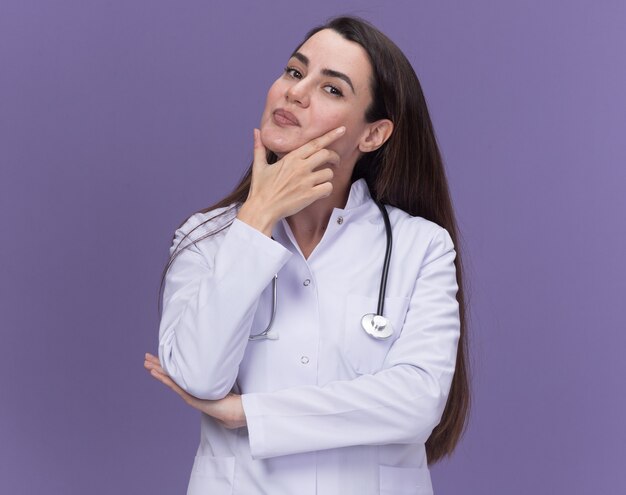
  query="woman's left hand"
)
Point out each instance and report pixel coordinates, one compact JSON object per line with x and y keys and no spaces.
{"x":227,"y":411}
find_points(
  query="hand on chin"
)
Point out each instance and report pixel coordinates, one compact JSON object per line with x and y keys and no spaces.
{"x":282,"y":141}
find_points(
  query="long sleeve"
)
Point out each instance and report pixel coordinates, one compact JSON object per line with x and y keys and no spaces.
{"x":401,"y":403}
{"x":210,"y":296}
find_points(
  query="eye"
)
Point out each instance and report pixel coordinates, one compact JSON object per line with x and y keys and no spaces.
{"x":295,"y":73}
{"x":333,"y":90}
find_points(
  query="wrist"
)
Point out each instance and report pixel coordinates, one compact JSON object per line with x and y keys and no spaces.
{"x":256,"y":217}
{"x":242,"y":414}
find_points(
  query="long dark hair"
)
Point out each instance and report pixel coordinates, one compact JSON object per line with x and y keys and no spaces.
{"x":406,"y":172}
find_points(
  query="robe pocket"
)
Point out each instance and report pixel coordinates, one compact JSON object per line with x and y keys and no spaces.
{"x":396,"y":480}
{"x":365,"y":353}
{"x":211,"y":475}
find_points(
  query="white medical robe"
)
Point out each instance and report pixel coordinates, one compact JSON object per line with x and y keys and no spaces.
{"x":329,"y":409}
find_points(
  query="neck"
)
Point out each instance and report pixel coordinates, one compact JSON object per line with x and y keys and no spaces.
{"x":311,"y":222}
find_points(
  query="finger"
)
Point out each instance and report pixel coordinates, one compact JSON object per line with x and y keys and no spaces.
{"x":153,"y":363}
{"x":321,"y":176}
{"x":260,"y":153}
{"x":152,"y":359}
{"x":322,"y":157}
{"x":186,"y":396}
{"x":319,"y":143}
{"x":160,"y":377}
{"x":151,"y":366}
{"x":166,"y":380}
{"x":148,"y":365}
{"x":323,"y":190}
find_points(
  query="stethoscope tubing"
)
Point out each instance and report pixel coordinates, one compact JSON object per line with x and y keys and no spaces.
{"x":381,"y":292}
{"x":383,"y":278}
{"x":264,"y":334}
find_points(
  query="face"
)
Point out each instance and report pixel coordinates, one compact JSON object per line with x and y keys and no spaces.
{"x":325,"y":84}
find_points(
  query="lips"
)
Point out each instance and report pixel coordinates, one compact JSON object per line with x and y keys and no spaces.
{"x":283,"y":117}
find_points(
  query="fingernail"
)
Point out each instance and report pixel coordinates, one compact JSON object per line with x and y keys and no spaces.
{"x":340,"y":130}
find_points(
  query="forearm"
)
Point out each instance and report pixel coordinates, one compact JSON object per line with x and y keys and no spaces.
{"x":397,"y":405}
{"x":402,"y":403}
{"x":208,"y":311}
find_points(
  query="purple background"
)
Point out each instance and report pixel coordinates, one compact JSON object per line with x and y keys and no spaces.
{"x":120,"y":118}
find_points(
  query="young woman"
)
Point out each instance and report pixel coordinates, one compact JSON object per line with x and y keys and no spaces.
{"x":315,"y":316}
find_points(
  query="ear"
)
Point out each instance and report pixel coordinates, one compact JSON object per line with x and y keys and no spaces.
{"x":376,"y":135}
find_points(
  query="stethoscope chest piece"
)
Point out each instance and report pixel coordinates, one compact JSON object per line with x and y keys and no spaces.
{"x":377,"y":326}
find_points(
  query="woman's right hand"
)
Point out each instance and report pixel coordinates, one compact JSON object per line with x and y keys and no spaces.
{"x":291,"y":184}
{"x":227,"y":411}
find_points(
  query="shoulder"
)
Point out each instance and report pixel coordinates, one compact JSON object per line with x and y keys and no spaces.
{"x":419,"y":233}
{"x":202,"y":224}
{"x":417,"y":226}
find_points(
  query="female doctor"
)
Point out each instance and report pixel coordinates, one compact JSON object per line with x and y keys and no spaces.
{"x":315,"y":315}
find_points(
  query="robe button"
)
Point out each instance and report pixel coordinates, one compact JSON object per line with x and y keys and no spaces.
{"x":339,"y":220}
{"x":306,"y":282}
{"x":304,"y":360}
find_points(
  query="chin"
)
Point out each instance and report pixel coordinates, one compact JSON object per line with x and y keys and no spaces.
{"x":278,"y":141}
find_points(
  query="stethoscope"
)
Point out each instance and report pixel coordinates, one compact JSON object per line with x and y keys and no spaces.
{"x":375,"y":325}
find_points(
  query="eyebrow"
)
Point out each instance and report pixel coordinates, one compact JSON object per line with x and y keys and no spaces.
{"x":327,"y":72}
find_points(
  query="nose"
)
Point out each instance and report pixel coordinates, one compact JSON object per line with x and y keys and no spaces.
{"x":298,"y":93}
